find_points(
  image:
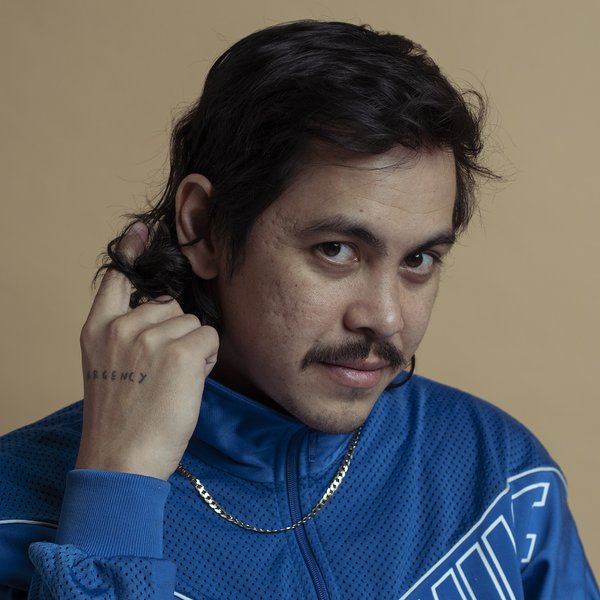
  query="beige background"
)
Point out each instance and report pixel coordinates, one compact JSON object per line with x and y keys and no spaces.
{"x":87,"y":96}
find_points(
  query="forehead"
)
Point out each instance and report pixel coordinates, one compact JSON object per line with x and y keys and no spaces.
{"x":413,"y":190}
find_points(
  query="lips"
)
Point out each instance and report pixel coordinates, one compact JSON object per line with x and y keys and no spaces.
{"x":361,"y":374}
{"x":360,"y":365}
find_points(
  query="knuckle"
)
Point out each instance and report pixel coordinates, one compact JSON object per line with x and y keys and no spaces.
{"x":149,"y":338}
{"x":91,"y":334}
{"x":210,"y":335}
{"x":88,"y":334}
{"x":192,"y":320}
{"x":117,"y":329}
{"x":174,"y":307}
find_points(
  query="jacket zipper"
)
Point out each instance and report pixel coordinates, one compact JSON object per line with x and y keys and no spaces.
{"x":294,"y":502}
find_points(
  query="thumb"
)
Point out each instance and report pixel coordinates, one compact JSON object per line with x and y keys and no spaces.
{"x":112,"y":297}
{"x":132,"y":244}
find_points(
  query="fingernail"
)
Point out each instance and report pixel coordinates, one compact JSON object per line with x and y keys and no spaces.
{"x":137,"y":228}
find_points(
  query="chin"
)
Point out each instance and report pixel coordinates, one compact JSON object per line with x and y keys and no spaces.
{"x":330,"y":420}
{"x":337,"y":428}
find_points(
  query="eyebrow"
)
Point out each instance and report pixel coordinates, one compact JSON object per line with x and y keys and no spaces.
{"x":340,"y":224}
{"x":445,"y":238}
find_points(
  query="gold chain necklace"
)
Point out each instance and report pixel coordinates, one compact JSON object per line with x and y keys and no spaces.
{"x":329,"y":492}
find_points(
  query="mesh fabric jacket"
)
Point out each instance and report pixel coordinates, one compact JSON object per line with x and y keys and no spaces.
{"x":446,"y":497}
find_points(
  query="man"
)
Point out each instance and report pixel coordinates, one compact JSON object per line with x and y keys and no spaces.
{"x":294,"y":257}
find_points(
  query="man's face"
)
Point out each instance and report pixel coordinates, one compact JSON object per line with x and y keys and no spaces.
{"x":337,"y":285}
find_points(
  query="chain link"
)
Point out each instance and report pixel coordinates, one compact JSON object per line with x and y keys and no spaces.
{"x":329,"y":492}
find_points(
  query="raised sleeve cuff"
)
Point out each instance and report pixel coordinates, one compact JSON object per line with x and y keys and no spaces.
{"x":113,"y":514}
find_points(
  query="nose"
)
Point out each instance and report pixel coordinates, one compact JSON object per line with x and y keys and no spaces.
{"x":376,"y":309}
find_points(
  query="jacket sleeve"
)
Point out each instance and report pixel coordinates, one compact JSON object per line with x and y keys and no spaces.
{"x":109,"y":541}
{"x":553,"y":562}
{"x":11,"y":593}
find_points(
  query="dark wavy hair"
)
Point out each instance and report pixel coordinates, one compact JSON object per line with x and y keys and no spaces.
{"x":265,"y":102}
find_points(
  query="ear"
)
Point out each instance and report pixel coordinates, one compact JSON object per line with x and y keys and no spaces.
{"x":191,"y":221}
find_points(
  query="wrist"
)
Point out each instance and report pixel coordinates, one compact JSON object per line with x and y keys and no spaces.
{"x":107,"y":513}
{"x":150,"y":465}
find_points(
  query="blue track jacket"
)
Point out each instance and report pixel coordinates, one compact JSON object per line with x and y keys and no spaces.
{"x":446,"y":498}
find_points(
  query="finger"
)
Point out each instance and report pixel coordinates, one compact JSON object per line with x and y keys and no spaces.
{"x":134,"y":323}
{"x":133,"y":243}
{"x":207,"y":339}
{"x":154,"y":311}
{"x":112,"y":297}
{"x":169,"y":330}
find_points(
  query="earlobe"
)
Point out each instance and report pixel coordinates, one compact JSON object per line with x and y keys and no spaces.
{"x":192,"y":203}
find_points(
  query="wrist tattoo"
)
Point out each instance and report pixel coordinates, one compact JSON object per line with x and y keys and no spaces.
{"x":129,"y":376}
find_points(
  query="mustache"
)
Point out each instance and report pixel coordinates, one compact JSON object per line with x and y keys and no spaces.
{"x":355,"y":350}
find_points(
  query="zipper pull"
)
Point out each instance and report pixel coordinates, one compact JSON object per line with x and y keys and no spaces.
{"x":313,"y":443}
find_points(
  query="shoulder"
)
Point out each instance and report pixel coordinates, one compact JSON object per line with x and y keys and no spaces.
{"x":34,"y":461}
{"x":468,"y":429}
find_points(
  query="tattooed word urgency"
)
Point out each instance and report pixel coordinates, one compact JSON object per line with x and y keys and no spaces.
{"x":130,"y":376}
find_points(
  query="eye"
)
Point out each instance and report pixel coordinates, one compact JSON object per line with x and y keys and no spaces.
{"x":421,"y":263}
{"x":338,"y":253}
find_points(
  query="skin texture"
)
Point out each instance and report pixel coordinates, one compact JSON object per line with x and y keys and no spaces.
{"x":332,"y":297}
{"x":140,"y":422}
{"x":338,"y":281}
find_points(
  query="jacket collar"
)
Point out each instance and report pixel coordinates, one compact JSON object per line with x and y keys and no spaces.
{"x":250,"y":440}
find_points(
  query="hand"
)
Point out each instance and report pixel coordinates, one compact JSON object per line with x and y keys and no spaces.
{"x":144,"y":372}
